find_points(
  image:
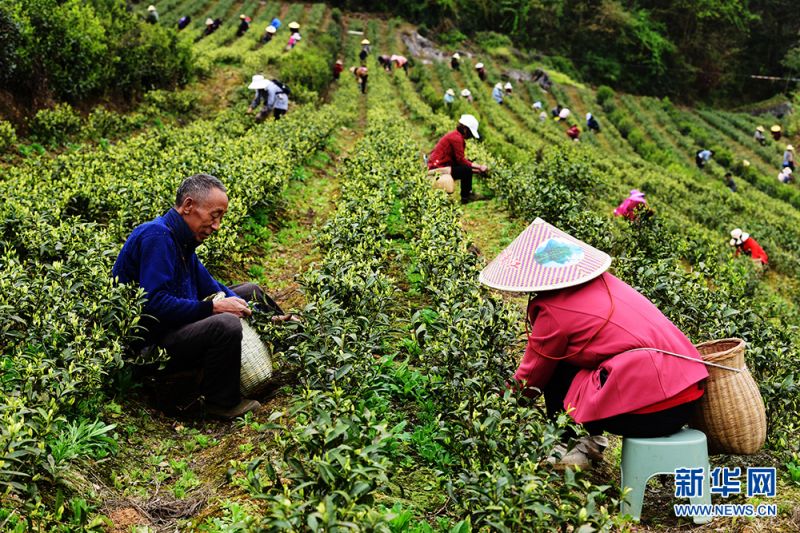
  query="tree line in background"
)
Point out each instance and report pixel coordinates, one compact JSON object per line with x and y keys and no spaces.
{"x":76,"y":49}
{"x":689,"y":49}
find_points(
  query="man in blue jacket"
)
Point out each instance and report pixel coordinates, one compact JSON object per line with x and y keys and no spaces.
{"x":160,"y":257}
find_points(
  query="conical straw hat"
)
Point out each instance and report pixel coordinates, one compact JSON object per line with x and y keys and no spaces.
{"x":544,"y":258}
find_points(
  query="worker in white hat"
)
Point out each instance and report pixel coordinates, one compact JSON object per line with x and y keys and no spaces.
{"x":592,"y":124}
{"x":274,"y":97}
{"x":508,"y":87}
{"x":759,"y":135}
{"x":788,"y":157}
{"x":785,"y":175}
{"x":399,"y":61}
{"x":244,"y":25}
{"x":481,"y":69}
{"x":455,"y":61}
{"x":152,"y":15}
{"x":338,"y":67}
{"x":294,"y":35}
{"x":745,"y":244}
{"x":449,"y":97}
{"x":466,"y":95}
{"x":596,"y":348}
{"x":449,"y":152}
{"x":269,"y":33}
{"x":365,"y":50}
{"x":497,"y":93}
{"x":212,"y":25}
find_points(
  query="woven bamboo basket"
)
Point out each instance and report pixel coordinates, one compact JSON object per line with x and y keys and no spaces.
{"x":731,"y":412}
{"x":256,"y":362}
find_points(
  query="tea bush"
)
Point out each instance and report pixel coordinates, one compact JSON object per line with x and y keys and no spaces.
{"x":8,"y":136}
{"x":72,"y":50}
{"x":54,"y":126}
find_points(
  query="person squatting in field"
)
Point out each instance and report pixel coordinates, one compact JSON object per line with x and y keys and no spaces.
{"x":274,"y":98}
{"x":745,"y":244}
{"x":449,"y":152}
{"x":596,"y":347}
{"x":160,"y":257}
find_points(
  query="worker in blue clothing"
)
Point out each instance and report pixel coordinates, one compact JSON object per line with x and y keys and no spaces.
{"x":159,"y":256}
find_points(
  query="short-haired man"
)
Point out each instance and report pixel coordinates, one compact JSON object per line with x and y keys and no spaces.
{"x":160,"y":257}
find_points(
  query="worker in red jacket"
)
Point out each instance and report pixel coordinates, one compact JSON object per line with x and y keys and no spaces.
{"x":744,"y":243}
{"x":574,"y":132}
{"x":449,"y":152}
{"x":338,"y":67}
{"x":596,"y":347}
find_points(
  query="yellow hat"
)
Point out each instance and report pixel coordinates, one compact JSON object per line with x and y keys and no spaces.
{"x":760,"y":128}
{"x":294,"y":25}
{"x":790,"y":147}
{"x":745,"y":163}
{"x":364,"y":41}
{"x":151,"y":8}
{"x":775,"y":128}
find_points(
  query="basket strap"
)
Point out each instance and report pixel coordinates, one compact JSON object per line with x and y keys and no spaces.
{"x":681,"y":356}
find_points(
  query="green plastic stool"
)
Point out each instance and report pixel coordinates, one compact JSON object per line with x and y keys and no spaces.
{"x":645,"y":458}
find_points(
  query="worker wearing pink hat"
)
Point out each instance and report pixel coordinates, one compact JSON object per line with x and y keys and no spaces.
{"x":629,"y":205}
{"x":596,"y":347}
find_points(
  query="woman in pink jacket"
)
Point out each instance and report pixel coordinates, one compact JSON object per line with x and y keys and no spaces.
{"x":629,"y":205}
{"x":596,"y":348}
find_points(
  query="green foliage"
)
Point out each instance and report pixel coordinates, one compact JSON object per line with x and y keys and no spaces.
{"x":178,"y":103}
{"x":604,"y":94}
{"x":489,"y":40}
{"x":451,"y":38}
{"x":73,"y":50}
{"x":102,"y":123}
{"x":8,"y":136}
{"x":55,"y":126}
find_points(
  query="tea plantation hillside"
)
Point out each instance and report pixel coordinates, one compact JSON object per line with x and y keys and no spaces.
{"x":390,"y":410}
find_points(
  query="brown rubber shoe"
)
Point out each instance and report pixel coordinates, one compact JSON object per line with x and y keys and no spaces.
{"x":229,"y":413}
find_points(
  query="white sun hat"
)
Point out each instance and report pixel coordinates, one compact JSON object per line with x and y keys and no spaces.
{"x":738,"y":237}
{"x":537,"y":104}
{"x":478,"y":65}
{"x":790,"y":147}
{"x":209,"y":21}
{"x":259,"y":82}
{"x":151,"y":8}
{"x":498,"y":85}
{"x":564,"y":113}
{"x":364,"y":41}
{"x":456,"y":56}
{"x":470,"y":122}
{"x":544,"y":258}
{"x":451,"y":92}
{"x":508,"y":86}
{"x":466,"y":92}
{"x":271,"y":29}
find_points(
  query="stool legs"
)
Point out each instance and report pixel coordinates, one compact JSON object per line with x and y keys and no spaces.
{"x":644,"y":458}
